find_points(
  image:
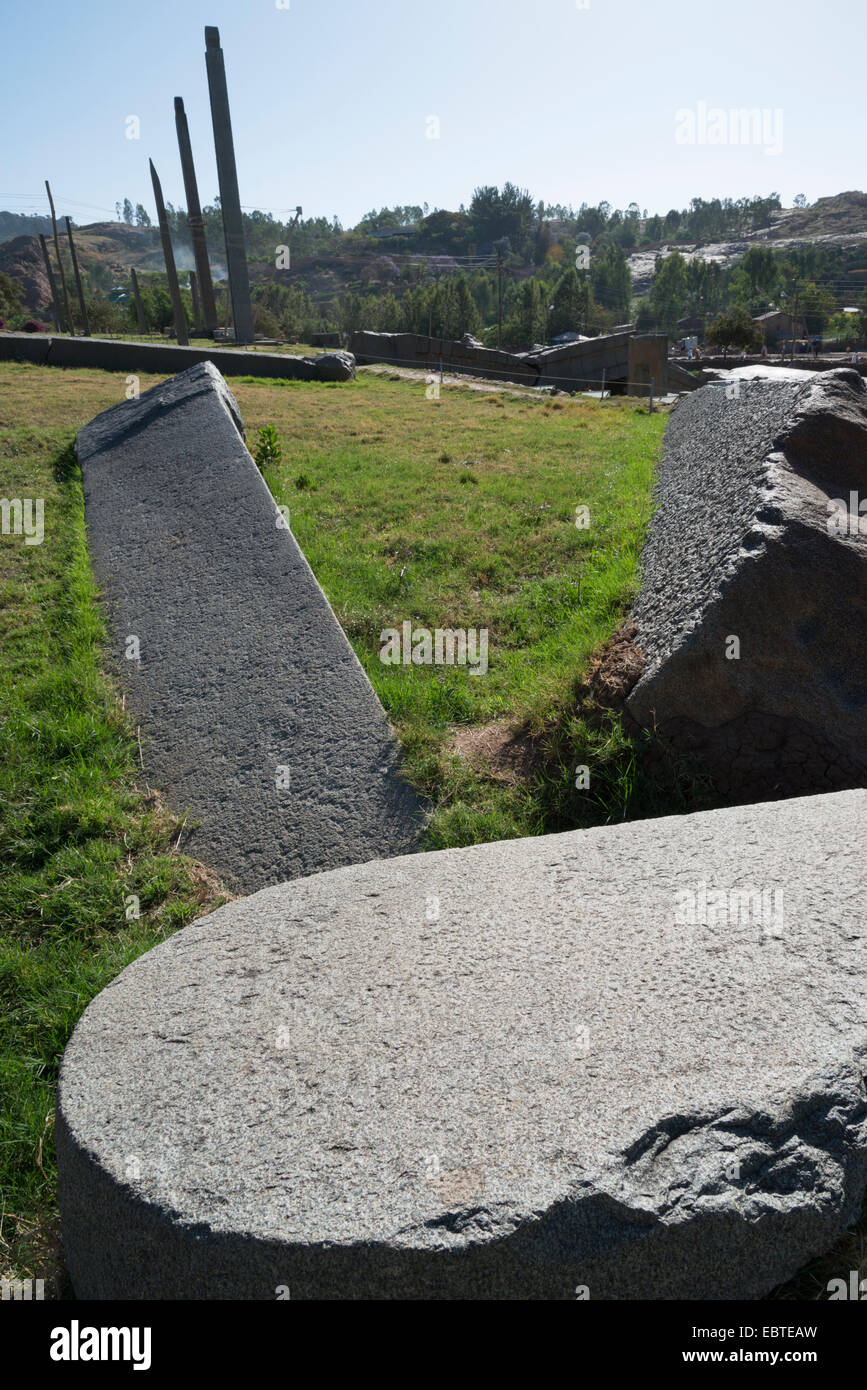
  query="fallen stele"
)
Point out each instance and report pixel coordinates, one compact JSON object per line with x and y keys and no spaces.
{"x":620,"y":1063}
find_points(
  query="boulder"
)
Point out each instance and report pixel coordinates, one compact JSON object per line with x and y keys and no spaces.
{"x":626,"y":1061}
{"x":258,"y":722}
{"x":335,"y":366}
{"x":752,"y":612}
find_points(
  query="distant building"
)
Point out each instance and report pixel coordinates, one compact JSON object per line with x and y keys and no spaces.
{"x":777,"y":324}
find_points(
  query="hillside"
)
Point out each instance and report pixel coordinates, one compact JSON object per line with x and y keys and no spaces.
{"x":841,"y":221}
{"x":844,"y":215}
{"x":386,"y":273}
{"x":106,"y":251}
{"x":16,"y":224}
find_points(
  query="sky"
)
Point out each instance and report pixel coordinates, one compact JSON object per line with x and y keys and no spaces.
{"x":346,"y":105}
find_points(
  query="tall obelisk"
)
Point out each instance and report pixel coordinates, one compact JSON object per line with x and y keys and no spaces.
{"x":195,"y":219}
{"x":169,"y":256}
{"x":230,"y":200}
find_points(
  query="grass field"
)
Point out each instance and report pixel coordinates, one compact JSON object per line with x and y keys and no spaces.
{"x":450,"y":513}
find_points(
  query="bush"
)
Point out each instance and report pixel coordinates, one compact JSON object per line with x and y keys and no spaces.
{"x":265,"y":323}
{"x":33,"y":326}
{"x":268,"y":449}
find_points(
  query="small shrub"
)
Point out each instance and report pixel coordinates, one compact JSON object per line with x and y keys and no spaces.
{"x":303,"y":481}
{"x":33,"y":326}
{"x":268,"y":450}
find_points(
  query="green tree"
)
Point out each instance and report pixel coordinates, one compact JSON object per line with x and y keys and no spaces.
{"x":465,"y":314}
{"x":526,"y":325}
{"x":735,"y":329}
{"x":104,"y":316}
{"x":10,"y":296}
{"x":570,"y":304}
{"x":506,"y":212}
{"x":611,"y":281}
{"x":670,"y":292}
{"x":816,"y":305}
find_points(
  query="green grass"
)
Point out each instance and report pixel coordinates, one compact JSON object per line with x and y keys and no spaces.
{"x":448,"y":514}
{"x":460,"y":513}
{"x":78,"y":837}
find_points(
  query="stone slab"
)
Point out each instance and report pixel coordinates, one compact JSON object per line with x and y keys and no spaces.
{"x":257,"y":718}
{"x":118,"y":355}
{"x":502,"y":1072}
{"x":742,"y":546}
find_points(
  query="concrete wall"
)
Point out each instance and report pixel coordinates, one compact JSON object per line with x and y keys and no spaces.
{"x":648,"y":361}
{"x":414,"y":350}
{"x":580,"y":366}
{"x":569,"y":367}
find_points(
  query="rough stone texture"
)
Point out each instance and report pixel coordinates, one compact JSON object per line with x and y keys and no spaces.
{"x":334,"y":366}
{"x":377,"y":1083}
{"x":740,"y":546}
{"x":243,"y":668}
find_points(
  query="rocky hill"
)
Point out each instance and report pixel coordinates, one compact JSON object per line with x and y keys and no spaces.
{"x":106,"y":251}
{"x":841,"y":220}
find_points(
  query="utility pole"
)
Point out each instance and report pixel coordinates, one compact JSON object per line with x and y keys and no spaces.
{"x":499,"y":296}
{"x":52,"y":285}
{"x":169,"y":256}
{"x":208,"y":319}
{"x":795,"y":322}
{"x":84,"y":320}
{"x":59,"y":261}
{"x":230,"y":198}
{"x":139,"y":307}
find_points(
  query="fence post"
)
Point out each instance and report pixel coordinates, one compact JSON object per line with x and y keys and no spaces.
{"x":650,"y":407}
{"x":602,"y":397}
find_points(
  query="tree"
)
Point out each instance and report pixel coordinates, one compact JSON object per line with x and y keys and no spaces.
{"x":265,"y":323}
{"x":157,"y":306}
{"x":704,"y":286}
{"x":466,"y":314}
{"x":611,"y":281}
{"x":761,"y":267}
{"x":799,"y":200}
{"x":670,"y":292}
{"x":499,"y":213}
{"x":128,"y":214}
{"x":142,"y":218}
{"x":570,"y":304}
{"x":10,"y":296}
{"x":816,"y":305}
{"x":735,"y":329}
{"x":527,"y":324}
{"x":103,"y":316}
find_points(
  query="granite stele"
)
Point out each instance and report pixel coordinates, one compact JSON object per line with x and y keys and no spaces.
{"x":258,"y":723}
{"x":627,"y":1062}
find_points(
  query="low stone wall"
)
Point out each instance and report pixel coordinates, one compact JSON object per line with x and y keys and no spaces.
{"x":623,"y":1063}
{"x":257,"y":719}
{"x":115,"y":355}
{"x":412,"y":350}
{"x":575,"y":366}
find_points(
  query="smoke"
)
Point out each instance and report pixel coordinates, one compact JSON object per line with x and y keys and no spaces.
{"x":186,"y":261}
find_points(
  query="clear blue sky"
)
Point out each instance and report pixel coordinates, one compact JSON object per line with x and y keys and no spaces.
{"x":330,"y":99}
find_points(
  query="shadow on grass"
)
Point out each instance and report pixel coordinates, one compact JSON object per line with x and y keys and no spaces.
{"x":65,"y":466}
